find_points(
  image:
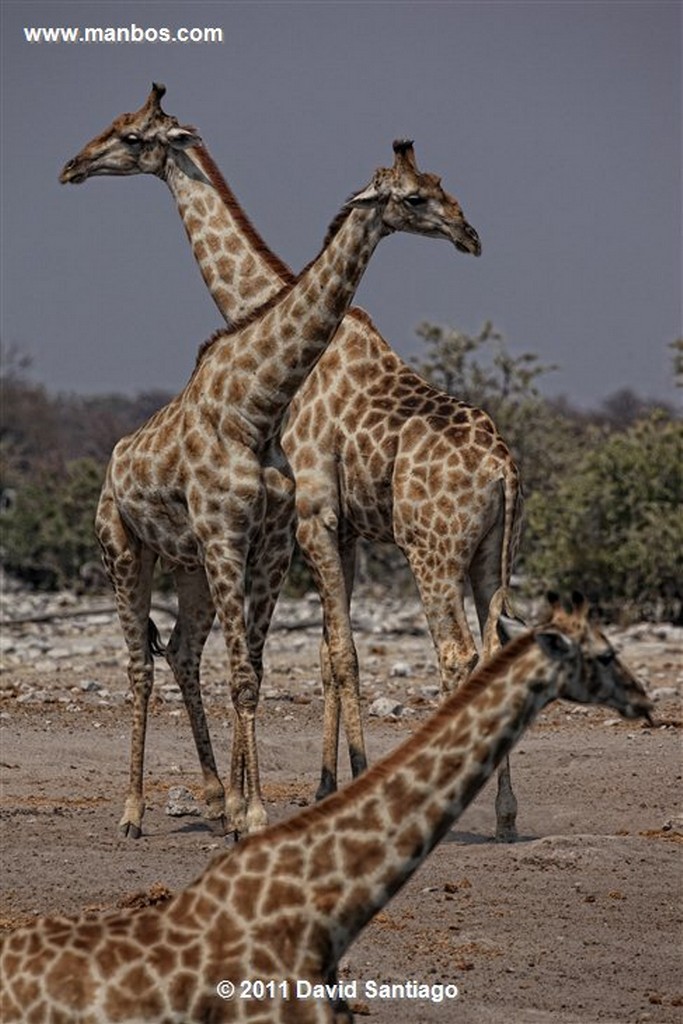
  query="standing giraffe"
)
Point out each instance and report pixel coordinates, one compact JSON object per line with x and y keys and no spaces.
{"x":285,"y":905}
{"x":191,"y":485}
{"x":376,"y":452}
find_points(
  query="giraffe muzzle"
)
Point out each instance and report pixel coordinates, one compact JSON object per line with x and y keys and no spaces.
{"x":71,"y":175}
{"x":468,"y":241}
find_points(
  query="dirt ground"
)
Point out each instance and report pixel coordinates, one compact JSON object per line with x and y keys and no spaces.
{"x":577,"y":923}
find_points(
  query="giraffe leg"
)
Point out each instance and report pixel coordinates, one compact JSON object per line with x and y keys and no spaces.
{"x":489,"y":598}
{"x":225,"y":569}
{"x":268,"y":564}
{"x":442,"y":597}
{"x":269,"y":561}
{"x":331,"y":722}
{"x":332,"y":561}
{"x":130,"y":567}
{"x":183,"y":653}
{"x":506,"y":805}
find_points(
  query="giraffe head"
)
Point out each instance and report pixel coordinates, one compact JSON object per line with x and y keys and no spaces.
{"x":414,"y":201}
{"x":590,"y":671}
{"x":138,"y":143}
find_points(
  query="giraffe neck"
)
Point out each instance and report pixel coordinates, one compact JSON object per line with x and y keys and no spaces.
{"x":363,"y":843}
{"x":238,"y":268}
{"x":270,"y":356}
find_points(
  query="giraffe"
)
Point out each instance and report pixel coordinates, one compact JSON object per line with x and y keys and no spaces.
{"x":191,"y":485}
{"x":376,"y":452}
{"x":284,"y":905}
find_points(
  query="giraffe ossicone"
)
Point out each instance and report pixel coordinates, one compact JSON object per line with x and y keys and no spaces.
{"x":376,"y":451}
{"x":284,"y":905}
{"x":203,"y":484}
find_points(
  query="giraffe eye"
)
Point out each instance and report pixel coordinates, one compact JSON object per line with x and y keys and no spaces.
{"x":132,"y":139}
{"x":607,"y":657}
{"x":415,"y":200}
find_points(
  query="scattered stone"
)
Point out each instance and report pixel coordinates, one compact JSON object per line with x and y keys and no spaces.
{"x":664,"y":693}
{"x":386,"y":707}
{"x":401,"y":670}
{"x":60,"y":653}
{"x":89,"y":685}
{"x":181,"y":803}
{"x":36,"y":697}
{"x":169,"y":692}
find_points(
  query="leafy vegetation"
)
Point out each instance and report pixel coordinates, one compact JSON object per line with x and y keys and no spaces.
{"x":604,"y":489}
{"x":614,"y":526}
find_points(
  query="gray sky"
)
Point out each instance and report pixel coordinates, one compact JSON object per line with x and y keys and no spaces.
{"x":557,"y":125}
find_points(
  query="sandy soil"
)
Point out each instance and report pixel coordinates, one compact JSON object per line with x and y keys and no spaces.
{"x":579,"y":922}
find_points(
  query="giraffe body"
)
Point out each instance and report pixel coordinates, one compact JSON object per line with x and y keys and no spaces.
{"x":203,"y":484}
{"x":376,"y":452}
{"x":286,"y":904}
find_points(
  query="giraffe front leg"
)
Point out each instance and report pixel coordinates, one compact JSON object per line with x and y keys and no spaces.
{"x":141,"y":682}
{"x":331,"y":722}
{"x":130,"y":567}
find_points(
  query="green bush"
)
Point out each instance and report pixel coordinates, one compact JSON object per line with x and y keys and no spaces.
{"x":47,"y":532}
{"x":613,"y":525}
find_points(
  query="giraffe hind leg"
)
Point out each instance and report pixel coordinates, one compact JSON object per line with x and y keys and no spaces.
{"x":490,"y":593}
{"x":225,"y":563}
{"x":330,"y":552}
{"x":183,"y":653}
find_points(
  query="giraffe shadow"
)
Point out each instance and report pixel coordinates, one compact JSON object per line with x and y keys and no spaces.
{"x":476,"y":839}
{"x":199,"y":826}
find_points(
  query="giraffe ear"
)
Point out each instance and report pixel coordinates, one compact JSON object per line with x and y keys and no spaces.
{"x":366,"y":197}
{"x":509,"y":627}
{"x":554,"y":645}
{"x":183,"y":138}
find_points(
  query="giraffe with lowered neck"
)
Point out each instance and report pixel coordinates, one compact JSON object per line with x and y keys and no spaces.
{"x":376,"y":452}
{"x":285,"y":905}
{"x":192,"y":484}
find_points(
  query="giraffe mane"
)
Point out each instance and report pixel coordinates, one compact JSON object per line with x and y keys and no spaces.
{"x":336,"y":224}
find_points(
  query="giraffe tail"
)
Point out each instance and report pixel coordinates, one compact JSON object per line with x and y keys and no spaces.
{"x":499,"y":605}
{"x":154,"y":640}
{"x":512,"y":525}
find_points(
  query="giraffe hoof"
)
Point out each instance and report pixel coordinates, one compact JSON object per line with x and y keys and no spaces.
{"x":327,"y":785}
{"x":506,"y":835}
{"x":128,"y":830}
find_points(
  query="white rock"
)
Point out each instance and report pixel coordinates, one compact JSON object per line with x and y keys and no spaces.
{"x":385,"y":707}
{"x":401,"y":669}
{"x":664,"y":693}
{"x":181,"y":803}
